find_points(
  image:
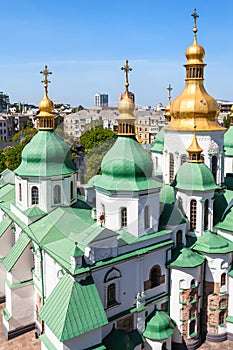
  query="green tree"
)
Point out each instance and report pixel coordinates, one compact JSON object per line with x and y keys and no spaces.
{"x":227,"y":121}
{"x":93,"y":137}
{"x":95,"y":156}
{"x":30,"y":132}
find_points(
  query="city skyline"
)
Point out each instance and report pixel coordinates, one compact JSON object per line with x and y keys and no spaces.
{"x":84,"y":45}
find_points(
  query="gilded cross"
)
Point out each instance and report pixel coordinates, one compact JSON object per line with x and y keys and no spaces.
{"x":46,"y":72}
{"x":127,"y":69}
{"x":195,"y":16}
{"x":169,"y":88}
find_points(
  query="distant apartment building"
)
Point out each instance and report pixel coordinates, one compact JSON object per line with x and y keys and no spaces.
{"x":3,"y":129}
{"x":101,"y":100}
{"x":149,"y":124}
{"x":76,"y":123}
{"x":4,"y":102}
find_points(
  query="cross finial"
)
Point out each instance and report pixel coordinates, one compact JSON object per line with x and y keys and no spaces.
{"x":46,"y":72}
{"x":195,"y":16}
{"x":169,"y":88}
{"x":127,"y":69}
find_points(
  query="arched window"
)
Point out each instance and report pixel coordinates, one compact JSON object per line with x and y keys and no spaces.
{"x":123,"y":217}
{"x":155,"y":276}
{"x":193,"y":214}
{"x":183,"y":159}
{"x":20,"y":192}
{"x":164,"y":346}
{"x":192,"y":284}
{"x":206,"y":214}
{"x":192,"y":326}
{"x":223,"y":279}
{"x":35,"y":195}
{"x":71,"y":190}
{"x":179,"y":238}
{"x":156,"y":163}
{"x":223,"y":304}
{"x":192,"y":312}
{"x":180,"y":204}
{"x":146,"y":217}
{"x":222,"y":318}
{"x":111,"y":294}
{"x":214,"y":166}
{"x":171,"y":167}
{"x":57,"y":194}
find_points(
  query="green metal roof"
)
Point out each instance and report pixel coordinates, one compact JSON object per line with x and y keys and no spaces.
{"x":171,"y":215}
{"x":46,"y":342}
{"x":16,"y":251}
{"x":126,"y":167}
{"x":188,"y":259}
{"x":91,"y":182}
{"x":167,"y":194}
{"x":194,"y":177}
{"x":214,"y":243}
{"x":118,"y":339}
{"x":4,"y":224}
{"x":73,"y":308}
{"x":7,"y":177}
{"x":34,"y":211}
{"x":46,"y":155}
{"x":228,"y":142}
{"x":7,"y":193}
{"x":158,"y":145}
{"x":222,"y":200}
{"x":159,"y":327}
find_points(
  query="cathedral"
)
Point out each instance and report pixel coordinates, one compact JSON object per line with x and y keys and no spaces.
{"x":144,"y":259}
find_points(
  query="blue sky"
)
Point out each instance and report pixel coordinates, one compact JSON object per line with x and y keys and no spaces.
{"x":85,"y":42}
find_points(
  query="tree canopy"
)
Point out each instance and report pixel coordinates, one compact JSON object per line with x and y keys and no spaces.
{"x":97,"y":143}
{"x":93,"y":137}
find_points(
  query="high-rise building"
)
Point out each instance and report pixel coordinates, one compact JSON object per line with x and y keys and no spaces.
{"x":101,"y":100}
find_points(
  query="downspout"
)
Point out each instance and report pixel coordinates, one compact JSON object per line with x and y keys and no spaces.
{"x":202,"y":316}
{"x":42,"y":284}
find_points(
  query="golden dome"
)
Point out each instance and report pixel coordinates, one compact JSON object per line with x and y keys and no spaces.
{"x":45,"y":105}
{"x":46,"y":117}
{"x":126,"y":107}
{"x":195,"y":52}
{"x":194,"y":150}
{"x":194,"y":101}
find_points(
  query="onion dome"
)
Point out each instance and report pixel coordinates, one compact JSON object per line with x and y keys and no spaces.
{"x":194,"y":101}
{"x":228,"y":138}
{"x":158,"y":145}
{"x":167,"y":195}
{"x":46,"y":154}
{"x":160,"y":326}
{"x":194,"y":175}
{"x":127,"y":166}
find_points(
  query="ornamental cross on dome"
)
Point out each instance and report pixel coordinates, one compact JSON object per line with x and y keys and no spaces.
{"x":127,"y":69}
{"x":169,"y":88}
{"x":195,"y":16}
{"x":46,"y":72}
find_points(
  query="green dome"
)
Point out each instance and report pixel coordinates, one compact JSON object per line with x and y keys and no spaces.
{"x":188,"y":259}
{"x":159,"y":142}
{"x":126,"y":167}
{"x":211,"y":242}
{"x":195,"y":177}
{"x":167,"y":194}
{"x":159,"y":327}
{"x":228,"y":142}
{"x":46,"y":155}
